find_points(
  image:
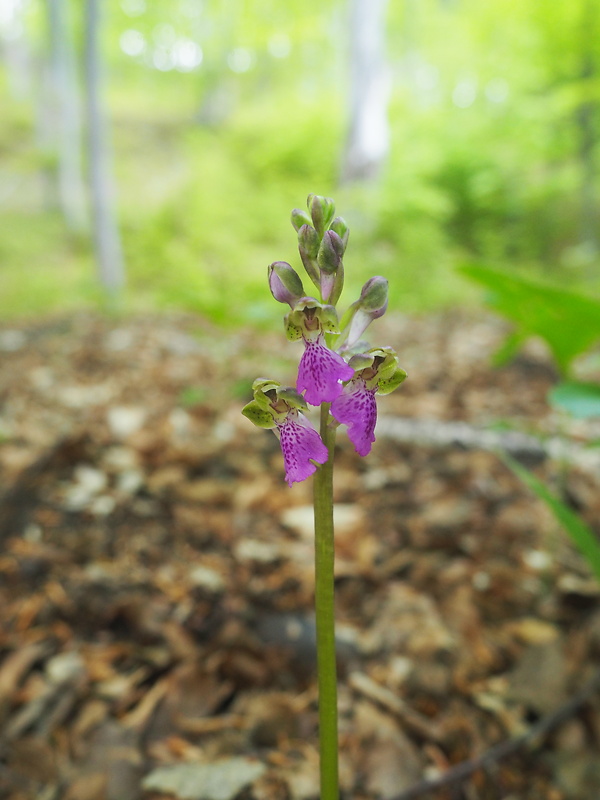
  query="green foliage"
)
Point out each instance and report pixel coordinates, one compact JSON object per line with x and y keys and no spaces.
{"x":486,"y":160}
{"x":569,"y":322}
{"x":581,"y":535}
{"x":193,"y":396}
{"x":206,"y":247}
{"x":580,"y":400}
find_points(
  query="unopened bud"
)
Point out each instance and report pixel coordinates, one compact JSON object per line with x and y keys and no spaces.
{"x":322,"y":211}
{"x":371,"y":305}
{"x":285,"y":283}
{"x":330,"y":253}
{"x":340,"y":227}
{"x":374,"y":296}
{"x":300,"y":218}
{"x":308,"y":240}
{"x":308,"y":247}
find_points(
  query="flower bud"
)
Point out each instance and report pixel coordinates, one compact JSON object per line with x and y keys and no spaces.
{"x":371,"y":305}
{"x":300,"y":218}
{"x":374,"y":296}
{"x":340,"y":227}
{"x":322,"y":211}
{"x":330,"y":252}
{"x":308,"y":247}
{"x":285,"y":283}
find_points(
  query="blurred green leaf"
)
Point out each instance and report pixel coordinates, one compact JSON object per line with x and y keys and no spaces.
{"x":193,"y":396}
{"x":567,"y":321}
{"x":581,"y":535}
{"x":580,"y":400}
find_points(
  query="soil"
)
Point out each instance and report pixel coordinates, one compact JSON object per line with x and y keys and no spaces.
{"x":156,"y":576}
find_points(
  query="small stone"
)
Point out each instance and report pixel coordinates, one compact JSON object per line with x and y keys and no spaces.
{"x":534,"y":631}
{"x":538,"y":560}
{"x":103,"y":506}
{"x":65,"y":667}
{"x":207,"y":578}
{"x":347,"y":517}
{"x":130,"y":481}
{"x":90,"y":479}
{"x":125,"y":420}
{"x":12,"y":340}
{"x":255,"y":550}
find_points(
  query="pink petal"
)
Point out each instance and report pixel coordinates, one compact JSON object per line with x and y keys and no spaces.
{"x":300,"y":443}
{"x":357,"y":409}
{"x":320,"y":373}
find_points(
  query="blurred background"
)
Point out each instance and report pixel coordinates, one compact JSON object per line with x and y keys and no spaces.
{"x":156,"y":148}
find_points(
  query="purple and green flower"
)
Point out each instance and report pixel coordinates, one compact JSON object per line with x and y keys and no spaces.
{"x":336,"y":367}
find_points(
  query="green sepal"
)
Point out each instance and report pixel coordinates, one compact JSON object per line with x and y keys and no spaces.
{"x":293,"y":326}
{"x":292,"y":397}
{"x":387,"y":385}
{"x":298,"y":324}
{"x":258,"y":416}
{"x":264,"y":385}
{"x":361,"y":361}
{"x":328,"y":318}
{"x":379,"y":369}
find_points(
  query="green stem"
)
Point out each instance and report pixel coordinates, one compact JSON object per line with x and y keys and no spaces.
{"x":325,"y":617}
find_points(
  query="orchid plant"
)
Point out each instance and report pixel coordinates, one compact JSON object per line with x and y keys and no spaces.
{"x":342,"y":374}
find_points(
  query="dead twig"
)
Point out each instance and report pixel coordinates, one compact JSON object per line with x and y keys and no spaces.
{"x":532,"y":739}
{"x":525,"y":448}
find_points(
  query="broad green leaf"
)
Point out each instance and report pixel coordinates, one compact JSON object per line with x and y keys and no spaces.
{"x":569,"y":322}
{"x":580,"y":400}
{"x":581,"y":535}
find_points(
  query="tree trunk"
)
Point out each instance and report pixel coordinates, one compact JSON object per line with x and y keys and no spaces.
{"x":586,"y":118}
{"x":367,"y":144}
{"x":65,"y":118}
{"x":109,"y":257}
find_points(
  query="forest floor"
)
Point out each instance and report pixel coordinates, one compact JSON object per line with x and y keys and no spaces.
{"x":156,"y":577}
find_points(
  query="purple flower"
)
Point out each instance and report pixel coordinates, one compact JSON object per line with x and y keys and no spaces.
{"x":356,"y":408}
{"x":300,"y":445}
{"x":320,"y":373}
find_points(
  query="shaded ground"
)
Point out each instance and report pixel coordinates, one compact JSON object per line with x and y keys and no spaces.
{"x":156,"y":577}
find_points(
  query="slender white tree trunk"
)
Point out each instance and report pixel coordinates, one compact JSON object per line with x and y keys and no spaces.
{"x":587,"y":122}
{"x":16,"y":53}
{"x":109,"y":256}
{"x":65,"y":117}
{"x":368,"y":140}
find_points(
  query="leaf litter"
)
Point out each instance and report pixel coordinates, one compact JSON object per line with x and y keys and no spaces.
{"x":157,"y":633}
